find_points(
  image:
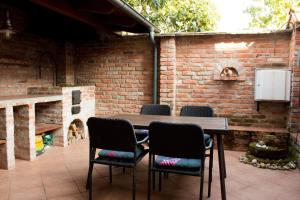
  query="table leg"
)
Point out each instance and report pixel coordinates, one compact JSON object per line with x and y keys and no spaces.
{"x":221,"y":165}
{"x":225,"y":173}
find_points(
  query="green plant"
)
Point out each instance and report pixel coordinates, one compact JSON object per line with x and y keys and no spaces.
{"x":178,"y":16}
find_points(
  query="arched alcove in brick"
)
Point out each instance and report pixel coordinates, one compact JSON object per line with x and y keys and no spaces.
{"x":76,"y":131}
{"x":229,"y":70}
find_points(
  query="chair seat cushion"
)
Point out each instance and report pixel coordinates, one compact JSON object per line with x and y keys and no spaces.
{"x":119,"y":155}
{"x":177,"y":163}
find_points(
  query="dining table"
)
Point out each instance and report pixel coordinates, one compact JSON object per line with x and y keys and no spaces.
{"x":215,"y":126}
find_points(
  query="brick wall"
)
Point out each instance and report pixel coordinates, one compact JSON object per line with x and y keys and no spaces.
{"x":121,"y":70}
{"x":50,"y":112}
{"x":196,"y":60}
{"x":28,"y":60}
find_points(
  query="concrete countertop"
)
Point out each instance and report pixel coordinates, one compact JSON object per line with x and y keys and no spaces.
{"x":27,"y":99}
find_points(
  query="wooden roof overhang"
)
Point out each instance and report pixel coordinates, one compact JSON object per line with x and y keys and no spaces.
{"x":74,"y":18}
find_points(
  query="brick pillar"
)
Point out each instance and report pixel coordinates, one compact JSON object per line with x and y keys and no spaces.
{"x":24,"y":133}
{"x":7,"y":153}
{"x":294,"y":117}
{"x":168,"y":72}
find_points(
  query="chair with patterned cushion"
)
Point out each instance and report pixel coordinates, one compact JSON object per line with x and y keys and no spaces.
{"x":176,"y":148}
{"x":118,"y":146}
{"x":202,"y":111}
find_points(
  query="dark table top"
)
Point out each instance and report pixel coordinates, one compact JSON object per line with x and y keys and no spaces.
{"x":209,"y":124}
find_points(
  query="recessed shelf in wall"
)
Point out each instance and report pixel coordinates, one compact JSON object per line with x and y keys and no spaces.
{"x":41,"y":128}
{"x":228,"y":78}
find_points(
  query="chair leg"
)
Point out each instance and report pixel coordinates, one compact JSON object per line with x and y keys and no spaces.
{"x":110,"y":174}
{"x":89,"y":175}
{"x":225,"y":173}
{"x":153,"y":182}
{"x":133,"y":184}
{"x":201,"y":181}
{"x":123,"y":170}
{"x":159,"y":182}
{"x":212,"y":154}
{"x":166,"y":175}
{"x":210,"y":174}
{"x":90,"y":187}
{"x":149,"y":179}
{"x":211,"y":158}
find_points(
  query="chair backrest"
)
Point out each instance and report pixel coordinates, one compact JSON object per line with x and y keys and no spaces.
{"x":176,"y":140}
{"x":155,"y":109}
{"x":112,"y":134}
{"x":197,"y":111}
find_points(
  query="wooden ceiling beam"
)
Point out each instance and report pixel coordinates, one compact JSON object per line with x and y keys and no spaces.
{"x":119,"y":21}
{"x":96,"y":7}
{"x":67,"y":10}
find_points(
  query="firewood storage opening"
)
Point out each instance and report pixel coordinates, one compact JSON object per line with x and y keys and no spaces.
{"x":75,"y":131}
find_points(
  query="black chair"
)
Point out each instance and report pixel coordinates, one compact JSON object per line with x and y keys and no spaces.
{"x":152,"y":109}
{"x":185,"y":154}
{"x":202,"y":111}
{"x":118,"y":144}
{"x":155,"y":109}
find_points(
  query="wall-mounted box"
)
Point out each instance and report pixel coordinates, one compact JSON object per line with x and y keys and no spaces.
{"x":272,"y":84}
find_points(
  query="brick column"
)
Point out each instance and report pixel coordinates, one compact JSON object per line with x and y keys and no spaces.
{"x":294,"y":114}
{"x":294,"y":117}
{"x":24,"y":133}
{"x":168,"y":72}
{"x":7,"y":153}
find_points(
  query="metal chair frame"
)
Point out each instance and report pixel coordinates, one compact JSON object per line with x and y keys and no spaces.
{"x":103,"y":134}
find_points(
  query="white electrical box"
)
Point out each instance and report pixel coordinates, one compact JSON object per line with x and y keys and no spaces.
{"x":272,"y":84}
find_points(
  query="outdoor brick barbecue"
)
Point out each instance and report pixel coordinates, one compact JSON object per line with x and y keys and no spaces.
{"x":23,"y":116}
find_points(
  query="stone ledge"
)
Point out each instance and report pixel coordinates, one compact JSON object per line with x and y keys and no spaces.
{"x":27,"y":99}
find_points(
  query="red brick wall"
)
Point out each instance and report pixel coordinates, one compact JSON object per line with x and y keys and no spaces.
{"x":121,"y":70}
{"x":197,"y":58}
{"x":20,"y":58}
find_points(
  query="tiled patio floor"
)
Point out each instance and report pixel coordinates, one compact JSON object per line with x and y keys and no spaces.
{"x":60,"y":173}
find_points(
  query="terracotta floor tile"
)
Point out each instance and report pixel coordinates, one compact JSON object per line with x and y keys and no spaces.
{"x":36,"y":193}
{"x":26,"y":182}
{"x":4,"y":191}
{"x":61,"y":190}
{"x":60,"y":173}
{"x":78,"y":196}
